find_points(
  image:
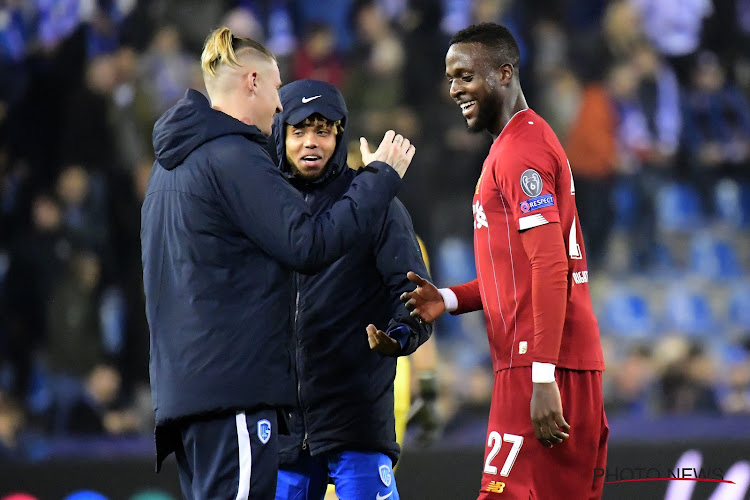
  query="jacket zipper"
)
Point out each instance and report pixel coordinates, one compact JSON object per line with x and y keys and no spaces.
{"x":297,"y":354}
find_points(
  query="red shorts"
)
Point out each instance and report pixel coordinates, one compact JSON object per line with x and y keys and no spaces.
{"x":518,"y":467}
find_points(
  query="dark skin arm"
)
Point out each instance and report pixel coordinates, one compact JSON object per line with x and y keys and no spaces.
{"x":550,"y":427}
{"x":546,"y":249}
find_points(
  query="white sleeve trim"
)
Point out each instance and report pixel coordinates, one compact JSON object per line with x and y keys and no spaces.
{"x":542,"y":373}
{"x":531,"y":221}
{"x":449,"y":298}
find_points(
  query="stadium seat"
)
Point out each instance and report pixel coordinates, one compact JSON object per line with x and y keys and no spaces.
{"x":732,"y":203}
{"x":624,"y":203}
{"x":455,"y":262}
{"x":678,"y":208}
{"x":713,"y":258}
{"x":627,"y":313}
{"x":688,"y":311}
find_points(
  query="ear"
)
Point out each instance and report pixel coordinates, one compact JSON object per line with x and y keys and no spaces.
{"x":251,"y":79}
{"x":505,"y":73}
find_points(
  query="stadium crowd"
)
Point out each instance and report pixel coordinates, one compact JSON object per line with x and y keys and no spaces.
{"x":650,"y":98}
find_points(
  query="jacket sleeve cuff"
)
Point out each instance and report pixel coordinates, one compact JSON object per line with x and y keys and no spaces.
{"x":449,"y":298}
{"x":542,"y":373}
{"x":401,"y":334}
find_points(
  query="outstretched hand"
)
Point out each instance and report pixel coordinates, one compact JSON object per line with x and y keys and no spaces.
{"x":395,"y":150}
{"x":425,"y":302}
{"x":550,"y":427}
{"x":381,"y":342}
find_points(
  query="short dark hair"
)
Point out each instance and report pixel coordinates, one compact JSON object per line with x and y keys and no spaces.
{"x":496,"y":39}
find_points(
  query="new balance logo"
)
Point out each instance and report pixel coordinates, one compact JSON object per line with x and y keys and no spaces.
{"x":480,"y":219}
{"x":305,"y":100}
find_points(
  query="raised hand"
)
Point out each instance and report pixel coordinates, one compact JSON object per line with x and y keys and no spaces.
{"x":425,"y":302}
{"x":550,"y":427}
{"x":395,"y":150}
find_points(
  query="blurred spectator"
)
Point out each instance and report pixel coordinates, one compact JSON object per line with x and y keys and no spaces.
{"x":316,"y":58}
{"x":74,"y":342}
{"x":375,"y":86}
{"x":737,"y":399}
{"x":686,"y":378}
{"x":167,"y":69}
{"x":338,"y":14}
{"x":717,"y":125}
{"x":557,"y":88}
{"x":37,"y":261}
{"x":425,"y":55}
{"x":12,"y":421}
{"x":674,"y":27}
{"x":86,"y":136}
{"x":652,"y":127}
{"x":91,"y":408}
{"x":83,"y":203}
{"x":592,"y":151}
{"x":631,"y":389}
{"x":647,"y":98}
{"x":130,"y":112}
{"x":243,"y":23}
{"x":622,"y":30}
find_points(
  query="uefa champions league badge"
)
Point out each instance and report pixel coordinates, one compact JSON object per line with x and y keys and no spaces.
{"x":531,"y":183}
{"x":385,"y":475}
{"x":264,"y":430}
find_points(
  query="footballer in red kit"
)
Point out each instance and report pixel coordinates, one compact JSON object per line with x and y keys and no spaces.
{"x":547,"y":430}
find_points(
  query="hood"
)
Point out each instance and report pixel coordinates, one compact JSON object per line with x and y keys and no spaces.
{"x":301,"y":99}
{"x":190,"y":123}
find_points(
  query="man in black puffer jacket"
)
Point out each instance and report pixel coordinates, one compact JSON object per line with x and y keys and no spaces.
{"x":344,"y":424}
{"x":221,"y":232}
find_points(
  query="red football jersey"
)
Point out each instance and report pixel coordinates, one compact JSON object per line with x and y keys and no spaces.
{"x":526,"y":182}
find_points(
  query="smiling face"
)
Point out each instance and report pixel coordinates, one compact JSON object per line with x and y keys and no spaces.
{"x":475,"y":85}
{"x":309,"y":146}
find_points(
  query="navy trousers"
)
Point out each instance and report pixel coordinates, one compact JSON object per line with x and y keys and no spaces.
{"x":229,"y":457}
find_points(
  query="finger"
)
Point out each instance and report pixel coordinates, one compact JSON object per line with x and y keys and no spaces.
{"x":415,"y":314}
{"x":398,"y":139}
{"x":562,"y":423}
{"x":411,"y":304}
{"x":556,"y":431}
{"x":416,"y":279}
{"x":364,"y":148}
{"x":405,"y":297}
{"x":384,"y":338}
{"x":555,"y":435}
{"x":405,"y":145}
{"x":410,"y":153}
{"x":387,"y":139}
{"x":371,"y":336}
{"x":548,"y":436}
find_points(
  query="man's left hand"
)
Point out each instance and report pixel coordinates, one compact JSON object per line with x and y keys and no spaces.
{"x":381,"y":342}
{"x":550,"y":426}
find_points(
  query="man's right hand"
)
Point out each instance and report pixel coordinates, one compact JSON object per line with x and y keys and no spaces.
{"x":425,"y":302}
{"x":395,"y":150}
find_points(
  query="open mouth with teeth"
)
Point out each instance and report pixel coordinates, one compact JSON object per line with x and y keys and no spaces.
{"x":467,"y":107}
{"x":311,"y":161}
